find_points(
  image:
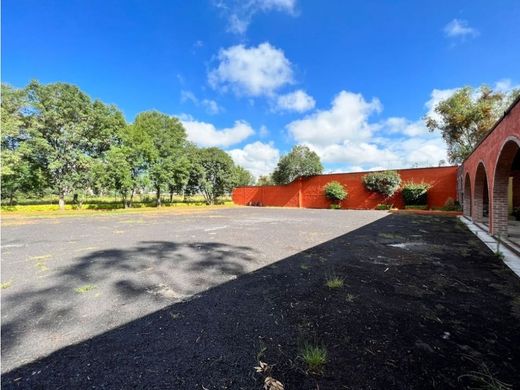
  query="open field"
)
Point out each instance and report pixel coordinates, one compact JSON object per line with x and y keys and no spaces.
{"x":196,"y":298}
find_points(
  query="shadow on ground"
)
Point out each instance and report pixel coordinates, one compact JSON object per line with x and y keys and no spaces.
{"x":423,"y":302}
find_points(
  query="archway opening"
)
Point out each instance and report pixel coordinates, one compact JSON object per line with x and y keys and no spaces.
{"x":467,"y":199}
{"x":481,"y":197}
{"x":506,"y":193}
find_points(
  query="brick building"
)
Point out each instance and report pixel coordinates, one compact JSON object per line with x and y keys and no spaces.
{"x":489,"y":179}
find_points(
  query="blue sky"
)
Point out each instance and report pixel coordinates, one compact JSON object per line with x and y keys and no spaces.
{"x":350,"y":79}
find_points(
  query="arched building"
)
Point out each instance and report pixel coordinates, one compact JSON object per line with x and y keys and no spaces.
{"x":489,"y":179}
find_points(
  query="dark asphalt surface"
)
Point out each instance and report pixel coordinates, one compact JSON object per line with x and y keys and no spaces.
{"x":78,"y":277}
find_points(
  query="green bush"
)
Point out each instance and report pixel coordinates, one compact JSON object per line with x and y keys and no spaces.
{"x":451,"y":205}
{"x":384,"y":206}
{"x":335,"y":191}
{"x":415,"y":193}
{"x":335,"y":207}
{"x":386,"y":182}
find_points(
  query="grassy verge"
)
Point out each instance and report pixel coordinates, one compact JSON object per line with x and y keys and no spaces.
{"x":51,"y":211}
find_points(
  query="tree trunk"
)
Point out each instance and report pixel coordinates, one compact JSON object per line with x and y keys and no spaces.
{"x":61,"y":201}
{"x":131,"y":199}
{"x":158,"y":192}
{"x":11,"y":198}
{"x":171,"y":196}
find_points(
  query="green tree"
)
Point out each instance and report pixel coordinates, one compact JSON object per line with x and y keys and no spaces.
{"x":20,"y":173}
{"x":167,"y":138}
{"x":466,"y":116}
{"x":265,"y":180}
{"x":243,"y":177}
{"x":301,"y":161}
{"x":212,"y":175}
{"x":68,"y":130}
{"x":178,"y":178}
{"x":117,"y":174}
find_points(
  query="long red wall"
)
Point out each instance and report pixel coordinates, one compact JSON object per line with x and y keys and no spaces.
{"x":308,"y":192}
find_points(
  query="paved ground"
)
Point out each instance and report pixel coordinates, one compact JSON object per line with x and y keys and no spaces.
{"x":425,"y":304}
{"x":136,"y":264}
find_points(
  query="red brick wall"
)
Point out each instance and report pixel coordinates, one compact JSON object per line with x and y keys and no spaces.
{"x":507,"y":132}
{"x":308,"y":192}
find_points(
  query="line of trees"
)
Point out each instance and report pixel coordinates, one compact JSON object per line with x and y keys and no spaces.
{"x":57,"y":140}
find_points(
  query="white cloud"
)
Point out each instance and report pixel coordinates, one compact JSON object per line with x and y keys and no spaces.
{"x":211,"y":106}
{"x":345,"y":135}
{"x":404,"y":126}
{"x":206,"y":134}
{"x":240,"y":12}
{"x":258,"y":158}
{"x":346,"y":120}
{"x":251,"y":71}
{"x":505,"y":86}
{"x":298,"y":101}
{"x":459,"y":29}
{"x":188,"y":96}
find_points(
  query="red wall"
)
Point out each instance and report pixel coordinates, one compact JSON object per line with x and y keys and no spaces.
{"x":308,"y":192}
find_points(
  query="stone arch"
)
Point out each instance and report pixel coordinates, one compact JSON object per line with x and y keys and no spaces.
{"x":480,"y":195}
{"x":503,"y":166}
{"x":467,"y":199}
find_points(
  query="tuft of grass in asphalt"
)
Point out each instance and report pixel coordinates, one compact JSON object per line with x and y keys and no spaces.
{"x":6,"y":284}
{"x":334,"y":282}
{"x":315,"y":357}
{"x":485,"y":379}
{"x":350,"y":298}
{"x":84,"y":289}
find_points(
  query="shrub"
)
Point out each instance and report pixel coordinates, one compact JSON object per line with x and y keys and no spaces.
{"x":335,"y":207}
{"x":386,"y":182}
{"x":315,"y":357}
{"x":384,"y":206}
{"x":334,"y":282}
{"x":415,"y":193}
{"x":335,"y":191}
{"x":451,"y":205}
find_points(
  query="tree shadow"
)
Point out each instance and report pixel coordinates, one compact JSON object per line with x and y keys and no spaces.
{"x":405,"y":318}
{"x":156,"y":272}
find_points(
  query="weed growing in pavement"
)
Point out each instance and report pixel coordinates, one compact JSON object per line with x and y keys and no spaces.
{"x":84,"y":289}
{"x":315,"y":357}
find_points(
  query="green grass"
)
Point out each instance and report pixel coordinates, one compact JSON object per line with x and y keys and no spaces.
{"x":416,"y":207}
{"x":315,"y":357}
{"x":350,"y":298}
{"x":334,"y":282}
{"x":6,"y":284}
{"x":84,"y":289}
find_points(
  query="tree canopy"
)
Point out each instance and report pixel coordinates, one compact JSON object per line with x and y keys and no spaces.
{"x":466,"y":116}
{"x":57,"y":140}
{"x":301,"y":161}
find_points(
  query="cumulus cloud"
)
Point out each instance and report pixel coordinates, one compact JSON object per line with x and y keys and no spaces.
{"x":346,"y":120}
{"x":239,"y":13}
{"x":404,"y":126}
{"x":346,"y":134}
{"x":298,"y":101}
{"x":459,"y":29}
{"x":259,"y":158}
{"x":206,"y":134}
{"x":251,"y":71}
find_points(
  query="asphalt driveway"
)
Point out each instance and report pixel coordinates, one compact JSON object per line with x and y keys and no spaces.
{"x":72,"y":278}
